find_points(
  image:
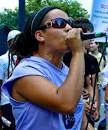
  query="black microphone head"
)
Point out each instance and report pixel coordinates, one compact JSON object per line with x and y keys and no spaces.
{"x":86,"y":36}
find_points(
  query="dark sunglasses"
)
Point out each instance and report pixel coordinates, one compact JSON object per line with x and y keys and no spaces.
{"x":57,"y":23}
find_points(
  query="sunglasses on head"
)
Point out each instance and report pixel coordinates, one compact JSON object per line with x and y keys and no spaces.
{"x":57,"y":23}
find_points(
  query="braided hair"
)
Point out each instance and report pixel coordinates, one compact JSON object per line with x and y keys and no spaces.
{"x":25,"y":43}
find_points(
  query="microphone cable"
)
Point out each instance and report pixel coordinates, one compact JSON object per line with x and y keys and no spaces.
{"x":96,"y":78}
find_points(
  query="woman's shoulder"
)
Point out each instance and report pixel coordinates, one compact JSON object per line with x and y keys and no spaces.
{"x":28,"y":66}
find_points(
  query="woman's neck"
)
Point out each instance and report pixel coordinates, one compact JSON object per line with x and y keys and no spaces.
{"x":54,"y":59}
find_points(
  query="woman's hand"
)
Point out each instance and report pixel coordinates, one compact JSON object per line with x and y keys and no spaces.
{"x":73,"y":40}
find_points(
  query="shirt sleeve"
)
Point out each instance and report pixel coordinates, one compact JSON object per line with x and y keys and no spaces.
{"x":2,"y":70}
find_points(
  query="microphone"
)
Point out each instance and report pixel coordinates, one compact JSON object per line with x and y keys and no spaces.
{"x":86,"y":36}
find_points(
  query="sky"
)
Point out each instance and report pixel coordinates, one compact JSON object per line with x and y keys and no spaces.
{"x":14,"y":3}
{"x":87,"y":4}
{"x":10,"y":4}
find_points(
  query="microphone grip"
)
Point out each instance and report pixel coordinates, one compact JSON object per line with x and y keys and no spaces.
{"x":86,"y":36}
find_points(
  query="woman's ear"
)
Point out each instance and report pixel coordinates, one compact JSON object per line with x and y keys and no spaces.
{"x":39,"y":36}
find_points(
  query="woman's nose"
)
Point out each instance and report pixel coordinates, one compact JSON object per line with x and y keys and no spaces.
{"x":68,"y":28}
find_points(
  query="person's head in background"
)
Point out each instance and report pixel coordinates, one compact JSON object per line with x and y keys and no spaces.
{"x":87,"y":27}
{"x":44,"y":30}
{"x":11,"y":54}
{"x":11,"y":35}
{"x":93,"y":47}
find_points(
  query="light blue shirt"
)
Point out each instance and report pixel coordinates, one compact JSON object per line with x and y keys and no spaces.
{"x":104,"y":76}
{"x":30,"y":116}
{"x":4,"y":61}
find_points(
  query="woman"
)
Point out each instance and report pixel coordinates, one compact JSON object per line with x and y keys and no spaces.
{"x":44,"y":93}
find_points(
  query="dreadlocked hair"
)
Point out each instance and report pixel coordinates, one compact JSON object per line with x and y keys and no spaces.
{"x":11,"y":64}
{"x":11,"y":57}
{"x":24,"y":44}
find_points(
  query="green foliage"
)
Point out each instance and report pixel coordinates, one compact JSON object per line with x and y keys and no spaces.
{"x":9,"y":18}
{"x":72,"y":7}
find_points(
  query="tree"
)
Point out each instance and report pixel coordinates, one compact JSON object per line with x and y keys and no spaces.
{"x":72,"y":7}
{"x":9,"y":18}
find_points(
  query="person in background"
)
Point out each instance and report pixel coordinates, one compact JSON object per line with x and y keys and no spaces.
{"x":6,"y":109}
{"x":91,"y":69}
{"x":45,"y":94}
{"x":104,"y":83}
{"x":94,"y":50}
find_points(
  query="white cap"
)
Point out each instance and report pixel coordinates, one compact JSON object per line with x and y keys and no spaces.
{"x":12,"y":34}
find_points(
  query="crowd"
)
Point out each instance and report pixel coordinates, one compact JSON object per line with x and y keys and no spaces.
{"x":50,"y":78}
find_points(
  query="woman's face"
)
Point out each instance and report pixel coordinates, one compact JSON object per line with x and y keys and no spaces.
{"x":54,"y":38}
